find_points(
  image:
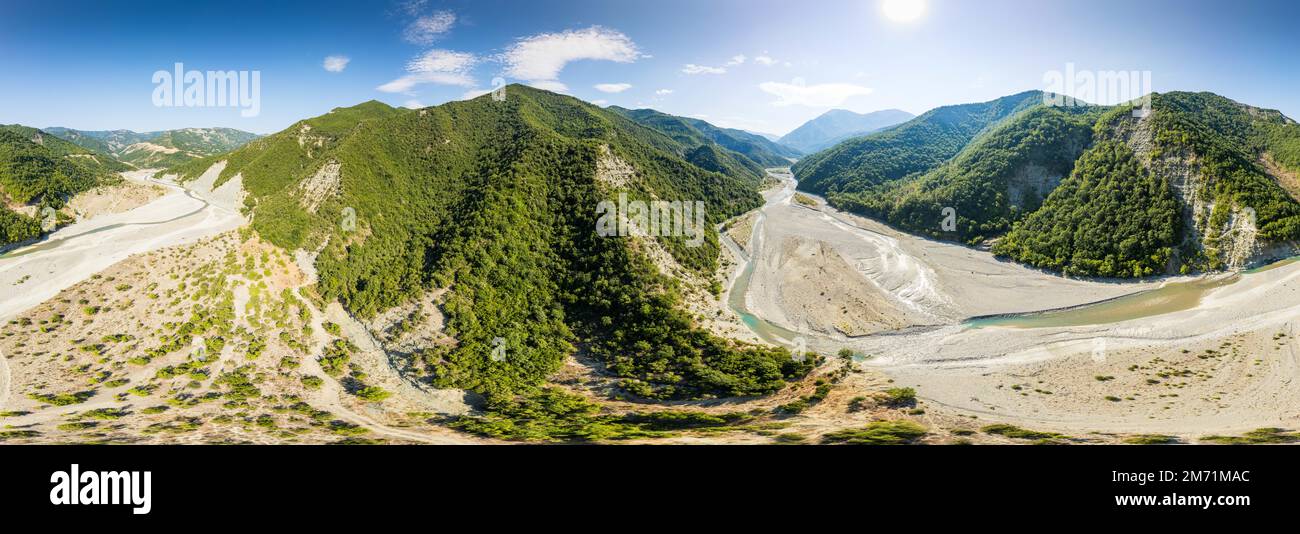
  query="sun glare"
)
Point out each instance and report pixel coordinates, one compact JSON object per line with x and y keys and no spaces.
{"x":903,"y":10}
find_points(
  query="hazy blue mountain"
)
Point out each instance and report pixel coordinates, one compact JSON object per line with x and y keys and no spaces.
{"x":837,"y":125}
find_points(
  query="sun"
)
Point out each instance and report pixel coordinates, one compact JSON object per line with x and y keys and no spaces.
{"x":903,"y":10}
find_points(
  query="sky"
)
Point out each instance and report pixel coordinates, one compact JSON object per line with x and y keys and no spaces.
{"x":761,"y":65}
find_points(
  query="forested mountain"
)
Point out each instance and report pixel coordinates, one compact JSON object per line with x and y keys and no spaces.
{"x":994,"y":180}
{"x":838,"y":125}
{"x":915,"y":146}
{"x":695,"y":132}
{"x":496,"y":202}
{"x":158,"y":149}
{"x":1198,"y":183}
{"x":41,"y":170}
{"x":107,"y":141}
{"x":1110,"y":218}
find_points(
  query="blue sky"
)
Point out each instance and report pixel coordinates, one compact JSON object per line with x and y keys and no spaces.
{"x":88,"y":65}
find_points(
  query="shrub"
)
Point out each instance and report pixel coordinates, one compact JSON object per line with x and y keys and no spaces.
{"x":878,"y":433}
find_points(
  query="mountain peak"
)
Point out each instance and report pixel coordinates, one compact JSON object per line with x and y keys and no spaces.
{"x":837,"y":125}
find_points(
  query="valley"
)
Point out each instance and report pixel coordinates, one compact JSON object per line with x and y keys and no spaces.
{"x":1195,"y":356}
{"x":222,"y":300}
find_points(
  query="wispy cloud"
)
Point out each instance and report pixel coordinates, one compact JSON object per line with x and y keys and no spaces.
{"x":664,"y":92}
{"x":442,"y":61}
{"x":540,"y":58}
{"x":549,"y":85}
{"x":613,"y":87}
{"x":336,"y":63}
{"x":426,"y":29}
{"x":737,"y":60}
{"x":413,"y":104}
{"x":474,"y":93}
{"x":441,"y":67}
{"x":694,"y":69}
{"x":798,"y":93}
{"x":765,"y":60}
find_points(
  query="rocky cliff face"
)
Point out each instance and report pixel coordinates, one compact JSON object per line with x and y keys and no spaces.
{"x":1230,"y":240}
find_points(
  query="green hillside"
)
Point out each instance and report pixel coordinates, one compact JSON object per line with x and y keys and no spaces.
{"x":915,"y":146}
{"x":990,"y":184}
{"x":496,"y":201}
{"x":694,"y":132}
{"x":1064,"y":182}
{"x":1110,"y":218}
{"x":158,"y":149}
{"x":39,"y":169}
{"x":106,"y":141}
{"x":1229,"y":140}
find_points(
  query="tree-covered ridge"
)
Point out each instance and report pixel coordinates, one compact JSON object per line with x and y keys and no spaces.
{"x":97,"y":163}
{"x":104,"y":141}
{"x":158,"y":149}
{"x":1110,"y":218}
{"x":36,"y":167}
{"x":997,"y":179}
{"x":16,"y":228}
{"x":1228,"y":140}
{"x":496,"y":202}
{"x":40,"y":169}
{"x":692,"y":133}
{"x":916,"y":146}
{"x":1223,"y":160}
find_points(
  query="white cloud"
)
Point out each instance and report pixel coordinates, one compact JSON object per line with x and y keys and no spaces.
{"x":413,"y":104}
{"x":428,"y":28}
{"x":441,"y":67}
{"x":765,"y":60}
{"x":408,"y":82}
{"x":413,"y":7}
{"x":549,"y":85}
{"x":664,"y":92}
{"x":613,"y":87}
{"x":693,"y":69}
{"x":600,"y":102}
{"x":737,"y":60}
{"x":442,"y":61}
{"x":797,"y":93}
{"x":474,"y":93}
{"x":336,"y":63}
{"x":540,"y":58}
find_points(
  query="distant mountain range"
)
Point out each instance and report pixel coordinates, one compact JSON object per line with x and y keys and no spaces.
{"x":156,"y":150}
{"x":838,"y":125}
{"x":1197,"y":183}
{"x":695,"y":132}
